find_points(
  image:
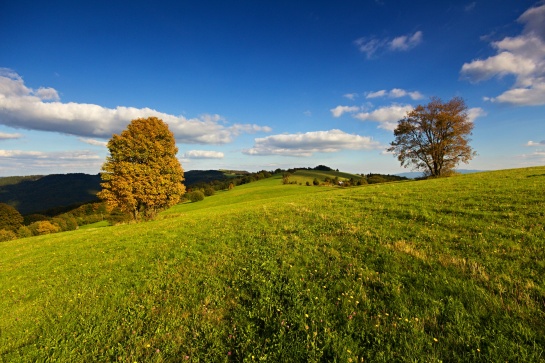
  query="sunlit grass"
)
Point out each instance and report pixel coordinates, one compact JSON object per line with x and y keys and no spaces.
{"x":446,"y":269}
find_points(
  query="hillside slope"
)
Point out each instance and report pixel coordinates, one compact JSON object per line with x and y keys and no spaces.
{"x":446,"y":269}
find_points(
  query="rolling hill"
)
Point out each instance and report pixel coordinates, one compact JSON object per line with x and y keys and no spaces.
{"x":436,"y":270}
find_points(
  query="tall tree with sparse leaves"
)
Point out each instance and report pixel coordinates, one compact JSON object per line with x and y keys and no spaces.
{"x":142,"y":175}
{"x":434,"y":138}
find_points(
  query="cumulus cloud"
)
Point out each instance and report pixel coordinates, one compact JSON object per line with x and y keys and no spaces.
{"x":339,"y":110}
{"x":474,"y":113}
{"x":350,"y":96}
{"x":534,"y":143}
{"x":23,"y":107}
{"x":6,"y":136}
{"x":387,"y":116}
{"x":305,"y":144}
{"x":522,"y":56}
{"x":203,"y":154}
{"x":47,"y":94}
{"x":39,"y":162}
{"x":395,"y":93}
{"x":373,"y":45}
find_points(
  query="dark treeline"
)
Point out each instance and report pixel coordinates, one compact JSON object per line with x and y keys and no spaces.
{"x":383,"y":178}
{"x":39,"y":194}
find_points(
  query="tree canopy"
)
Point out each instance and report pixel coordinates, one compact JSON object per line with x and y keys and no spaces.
{"x":434,"y":137}
{"x":142,"y":175}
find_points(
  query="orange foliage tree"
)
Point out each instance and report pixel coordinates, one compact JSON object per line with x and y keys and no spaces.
{"x":142,"y":175}
{"x":434,"y":137}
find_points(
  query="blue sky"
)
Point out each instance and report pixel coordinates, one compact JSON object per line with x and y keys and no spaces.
{"x":266,"y":84}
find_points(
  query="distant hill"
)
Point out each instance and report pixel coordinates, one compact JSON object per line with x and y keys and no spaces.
{"x":9,"y":180}
{"x":199,"y":176}
{"x":39,"y":194}
{"x":51,"y":191}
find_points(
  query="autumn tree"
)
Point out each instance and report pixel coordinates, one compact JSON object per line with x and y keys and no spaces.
{"x":433,"y":138}
{"x":142,"y":175}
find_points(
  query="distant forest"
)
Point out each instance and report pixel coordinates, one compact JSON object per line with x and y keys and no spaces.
{"x":39,"y":194}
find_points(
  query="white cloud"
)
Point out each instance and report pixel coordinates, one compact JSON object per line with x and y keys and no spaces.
{"x":38,"y":162}
{"x":203,"y":154}
{"x":47,"y":94}
{"x":533,"y":143}
{"x":350,"y":96}
{"x":339,"y":110}
{"x":6,"y":136}
{"x":474,"y":113}
{"x":93,"y":142}
{"x":387,"y":116}
{"x":305,"y":144}
{"x":406,"y":42}
{"x":395,"y":93}
{"x":522,"y":56}
{"x":376,"y":94}
{"x":62,"y":155}
{"x":369,"y":46}
{"x":372,"y":45}
{"x":22,"y":107}
{"x":4,"y":154}
{"x":535,"y":158}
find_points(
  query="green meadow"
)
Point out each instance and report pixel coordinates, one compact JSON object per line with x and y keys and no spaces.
{"x":449,"y":269}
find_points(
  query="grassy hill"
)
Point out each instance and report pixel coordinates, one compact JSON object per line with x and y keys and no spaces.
{"x":302,"y":176}
{"x":446,"y":269}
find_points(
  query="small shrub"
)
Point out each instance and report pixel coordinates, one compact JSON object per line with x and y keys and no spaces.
{"x":308,"y":184}
{"x":43,"y":227}
{"x":195,"y":196}
{"x":316,"y":181}
{"x":375,"y":179}
{"x":6,"y":235}
{"x":209,"y":191}
{"x":59,"y":222}
{"x":24,"y":232}
{"x":116,"y":217}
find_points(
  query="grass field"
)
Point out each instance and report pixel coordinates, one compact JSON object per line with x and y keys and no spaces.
{"x":439,"y":270}
{"x":303,"y":176}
